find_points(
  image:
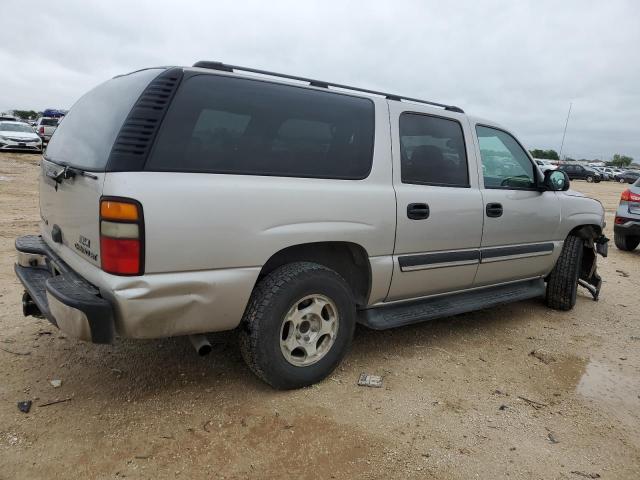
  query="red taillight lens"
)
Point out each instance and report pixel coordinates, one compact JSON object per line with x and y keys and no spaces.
{"x":120,"y":256}
{"x":629,"y":196}
{"x":121,"y":236}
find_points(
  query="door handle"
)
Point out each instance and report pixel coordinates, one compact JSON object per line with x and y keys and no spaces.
{"x":418,"y":211}
{"x":494,"y":210}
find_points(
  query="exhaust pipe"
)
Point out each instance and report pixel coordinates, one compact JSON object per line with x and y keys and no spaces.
{"x":29,"y":308}
{"x":201,"y":344}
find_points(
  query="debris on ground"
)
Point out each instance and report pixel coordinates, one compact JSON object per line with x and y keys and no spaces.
{"x":56,"y":383}
{"x":622,"y":273}
{"x":54,"y":402}
{"x":586,"y":475}
{"x":543,"y":355}
{"x":533,"y":403}
{"x":367,"y":380}
{"x":502,"y":407}
{"x":552,"y":438}
{"x":25,"y":406}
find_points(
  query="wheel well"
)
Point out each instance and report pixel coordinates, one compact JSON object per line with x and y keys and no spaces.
{"x":350,"y":260}
{"x":588,"y":233}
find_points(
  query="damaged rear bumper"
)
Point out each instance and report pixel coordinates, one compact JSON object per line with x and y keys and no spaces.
{"x":56,"y":292}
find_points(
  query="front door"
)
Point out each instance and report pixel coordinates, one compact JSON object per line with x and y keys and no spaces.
{"x":520,"y":221}
{"x":439,"y":207}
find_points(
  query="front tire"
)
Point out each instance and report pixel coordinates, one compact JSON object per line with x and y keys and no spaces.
{"x":626,"y":242}
{"x":298,"y":325}
{"x":622,"y":180}
{"x":562,"y":284}
{"x":590,"y":179}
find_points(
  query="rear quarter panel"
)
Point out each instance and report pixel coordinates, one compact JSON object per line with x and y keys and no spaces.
{"x":201,"y":221}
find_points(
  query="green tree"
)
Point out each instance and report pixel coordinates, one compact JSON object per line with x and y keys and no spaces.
{"x":621,"y":160}
{"x":25,"y":114}
{"x":548,"y":154}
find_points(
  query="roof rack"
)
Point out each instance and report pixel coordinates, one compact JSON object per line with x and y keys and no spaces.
{"x":319,"y":83}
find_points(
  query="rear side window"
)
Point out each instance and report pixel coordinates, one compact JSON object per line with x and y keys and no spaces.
{"x":432,"y":151}
{"x":231,"y":125}
{"x":86,"y":134}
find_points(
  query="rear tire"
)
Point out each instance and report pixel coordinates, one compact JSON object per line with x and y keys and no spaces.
{"x":562,"y":284}
{"x":281,"y":295}
{"x":626,"y":242}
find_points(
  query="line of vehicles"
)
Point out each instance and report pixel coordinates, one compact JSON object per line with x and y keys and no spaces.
{"x":16,"y":134}
{"x":591,"y":173}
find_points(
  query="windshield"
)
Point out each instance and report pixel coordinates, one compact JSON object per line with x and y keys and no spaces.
{"x":15,"y":127}
{"x":85,"y":137}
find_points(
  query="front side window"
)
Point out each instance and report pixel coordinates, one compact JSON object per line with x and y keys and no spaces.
{"x":432,"y":151}
{"x":505,"y":164}
{"x":230,"y":125}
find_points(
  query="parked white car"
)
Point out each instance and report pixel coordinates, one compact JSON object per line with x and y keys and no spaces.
{"x":19,"y":136}
{"x":545,"y":165}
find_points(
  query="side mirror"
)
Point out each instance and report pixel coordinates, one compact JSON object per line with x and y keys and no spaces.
{"x":556,"y":180}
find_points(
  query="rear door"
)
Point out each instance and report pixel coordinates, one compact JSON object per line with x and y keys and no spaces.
{"x":520,"y":221}
{"x":69,"y":207}
{"x":439,"y":207}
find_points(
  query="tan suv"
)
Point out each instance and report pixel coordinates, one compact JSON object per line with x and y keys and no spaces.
{"x":181,"y":201}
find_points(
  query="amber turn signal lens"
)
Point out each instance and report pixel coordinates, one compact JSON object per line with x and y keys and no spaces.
{"x":112,"y":210}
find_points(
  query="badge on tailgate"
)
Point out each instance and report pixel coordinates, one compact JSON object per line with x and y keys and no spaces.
{"x":83,"y":245}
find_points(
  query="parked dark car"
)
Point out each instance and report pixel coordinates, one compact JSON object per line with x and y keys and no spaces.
{"x":578,"y":172}
{"x":629,"y":176}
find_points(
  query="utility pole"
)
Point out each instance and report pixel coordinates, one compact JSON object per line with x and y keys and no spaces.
{"x":565,"y":129}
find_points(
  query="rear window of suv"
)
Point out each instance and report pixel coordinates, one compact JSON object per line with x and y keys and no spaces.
{"x":232,"y":125}
{"x":86,"y":134}
{"x":49,"y":122}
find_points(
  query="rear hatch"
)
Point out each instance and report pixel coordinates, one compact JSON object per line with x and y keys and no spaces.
{"x":74,"y":164}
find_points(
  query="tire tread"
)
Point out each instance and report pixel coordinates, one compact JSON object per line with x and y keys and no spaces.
{"x":562,"y":283}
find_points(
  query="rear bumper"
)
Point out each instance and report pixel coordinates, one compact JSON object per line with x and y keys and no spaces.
{"x":628,"y":228}
{"x":66,"y":299}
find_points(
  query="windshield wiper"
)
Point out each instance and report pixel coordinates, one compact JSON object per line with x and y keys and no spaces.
{"x":68,"y":172}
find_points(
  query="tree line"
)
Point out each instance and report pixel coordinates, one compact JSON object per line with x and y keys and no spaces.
{"x":618,"y":160}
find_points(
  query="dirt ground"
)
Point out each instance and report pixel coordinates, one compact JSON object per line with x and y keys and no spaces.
{"x":463,"y":397}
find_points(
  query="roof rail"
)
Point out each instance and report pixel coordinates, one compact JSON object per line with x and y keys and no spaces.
{"x":319,"y":83}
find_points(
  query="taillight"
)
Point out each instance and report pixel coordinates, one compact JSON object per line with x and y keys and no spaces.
{"x":121,"y":236}
{"x":629,"y":196}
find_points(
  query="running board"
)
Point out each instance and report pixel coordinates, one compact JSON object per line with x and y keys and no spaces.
{"x":398,"y":315}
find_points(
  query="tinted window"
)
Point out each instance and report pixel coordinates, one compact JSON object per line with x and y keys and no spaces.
{"x":505,"y":164}
{"x":86,"y":134}
{"x":49,"y":122}
{"x":231,"y":125}
{"x":432,"y":151}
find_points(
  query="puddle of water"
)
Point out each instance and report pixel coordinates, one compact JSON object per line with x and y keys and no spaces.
{"x":607,"y":383}
{"x":614,"y":388}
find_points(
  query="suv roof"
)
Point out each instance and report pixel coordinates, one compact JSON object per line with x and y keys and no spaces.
{"x":223,"y":67}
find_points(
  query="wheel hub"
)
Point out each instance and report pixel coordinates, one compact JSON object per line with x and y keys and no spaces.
{"x":309,"y":330}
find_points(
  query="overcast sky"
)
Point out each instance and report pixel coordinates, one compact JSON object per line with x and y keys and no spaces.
{"x":518,"y":63}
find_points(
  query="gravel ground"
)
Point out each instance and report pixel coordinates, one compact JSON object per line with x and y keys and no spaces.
{"x":463,"y":397}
